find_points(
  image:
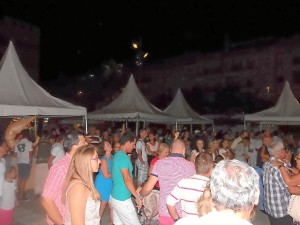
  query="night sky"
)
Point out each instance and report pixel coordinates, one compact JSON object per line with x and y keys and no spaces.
{"x":77,"y":37}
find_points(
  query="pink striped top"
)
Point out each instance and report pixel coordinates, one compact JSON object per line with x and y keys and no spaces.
{"x":54,"y":184}
{"x":169,"y":171}
{"x":187,"y":192}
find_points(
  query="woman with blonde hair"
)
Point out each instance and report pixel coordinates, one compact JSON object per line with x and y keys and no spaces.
{"x":79,"y":194}
{"x":162,"y":152}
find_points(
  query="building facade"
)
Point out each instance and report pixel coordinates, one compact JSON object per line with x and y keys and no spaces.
{"x":260,"y":67}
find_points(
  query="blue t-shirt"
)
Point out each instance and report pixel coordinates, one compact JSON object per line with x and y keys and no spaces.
{"x":119,"y":190}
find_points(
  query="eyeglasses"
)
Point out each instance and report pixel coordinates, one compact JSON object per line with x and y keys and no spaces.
{"x":96,"y":158}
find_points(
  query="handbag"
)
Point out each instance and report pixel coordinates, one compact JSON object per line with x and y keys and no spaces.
{"x":294,"y":207}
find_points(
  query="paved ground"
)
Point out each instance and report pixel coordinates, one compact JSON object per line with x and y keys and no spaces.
{"x":31,"y":213}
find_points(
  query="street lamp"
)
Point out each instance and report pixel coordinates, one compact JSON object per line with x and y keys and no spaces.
{"x":145,"y":55}
{"x":135,"y":45}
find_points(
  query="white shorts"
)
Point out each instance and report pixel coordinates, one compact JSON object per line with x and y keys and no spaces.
{"x":124,"y":212}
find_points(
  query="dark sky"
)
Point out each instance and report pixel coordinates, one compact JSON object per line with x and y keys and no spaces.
{"x":78,"y":36}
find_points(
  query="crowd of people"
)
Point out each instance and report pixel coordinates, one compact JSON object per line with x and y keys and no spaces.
{"x":199,"y":178}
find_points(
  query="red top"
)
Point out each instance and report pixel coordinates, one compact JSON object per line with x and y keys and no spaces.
{"x":153,"y":161}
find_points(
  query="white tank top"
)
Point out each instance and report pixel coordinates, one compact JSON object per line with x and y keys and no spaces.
{"x":92,"y":216}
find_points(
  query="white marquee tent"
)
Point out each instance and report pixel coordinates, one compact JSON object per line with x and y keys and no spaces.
{"x":184,"y":114}
{"x":285,"y":112}
{"x":130,"y":105}
{"x":21,"y":96}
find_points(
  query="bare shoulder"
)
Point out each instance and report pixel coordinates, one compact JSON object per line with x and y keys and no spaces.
{"x":78,"y":187}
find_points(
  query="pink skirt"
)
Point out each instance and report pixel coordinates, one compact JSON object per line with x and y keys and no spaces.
{"x":165,"y":220}
{"x":6,"y":216}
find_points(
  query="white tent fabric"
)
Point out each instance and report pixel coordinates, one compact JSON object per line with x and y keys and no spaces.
{"x":286,"y":110}
{"x":131,"y":105}
{"x":180,"y":109}
{"x":21,"y":96}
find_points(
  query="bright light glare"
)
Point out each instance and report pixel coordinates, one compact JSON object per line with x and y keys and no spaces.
{"x":135,"y":45}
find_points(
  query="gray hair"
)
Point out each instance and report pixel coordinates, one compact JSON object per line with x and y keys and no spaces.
{"x":70,"y":140}
{"x":275,"y":147}
{"x":234,"y":185}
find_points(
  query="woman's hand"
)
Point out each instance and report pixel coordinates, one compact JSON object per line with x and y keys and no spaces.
{"x":277,"y":163}
{"x":139,"y":202}
{"x":138,"y":190}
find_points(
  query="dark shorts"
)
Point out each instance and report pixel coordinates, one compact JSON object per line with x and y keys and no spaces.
{"x":24,"y":170}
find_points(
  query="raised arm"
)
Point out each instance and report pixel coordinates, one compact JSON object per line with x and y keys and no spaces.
{"x":289,"y":179}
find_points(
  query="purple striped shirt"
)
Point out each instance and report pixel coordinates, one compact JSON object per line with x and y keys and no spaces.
{"x":169,"y":171}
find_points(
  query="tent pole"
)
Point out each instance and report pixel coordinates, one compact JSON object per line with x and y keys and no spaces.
{"x":85,"y":123}
{"x":136,"y":133}
{"x":144,"y":124}
{"x":176,"y":126}
{"x":35,"y":127}
{"x":137,"y":126}
{"x":260,"y":126}
{"x":126,"y":124}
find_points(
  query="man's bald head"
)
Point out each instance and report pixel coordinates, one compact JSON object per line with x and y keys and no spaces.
{"x":178,"y":146}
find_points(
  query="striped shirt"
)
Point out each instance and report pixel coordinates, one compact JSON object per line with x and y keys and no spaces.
{"x":169,"y":171}
{"x":187,"y":192}
{"x":276,"y":194}
{"x":54,"y":184}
